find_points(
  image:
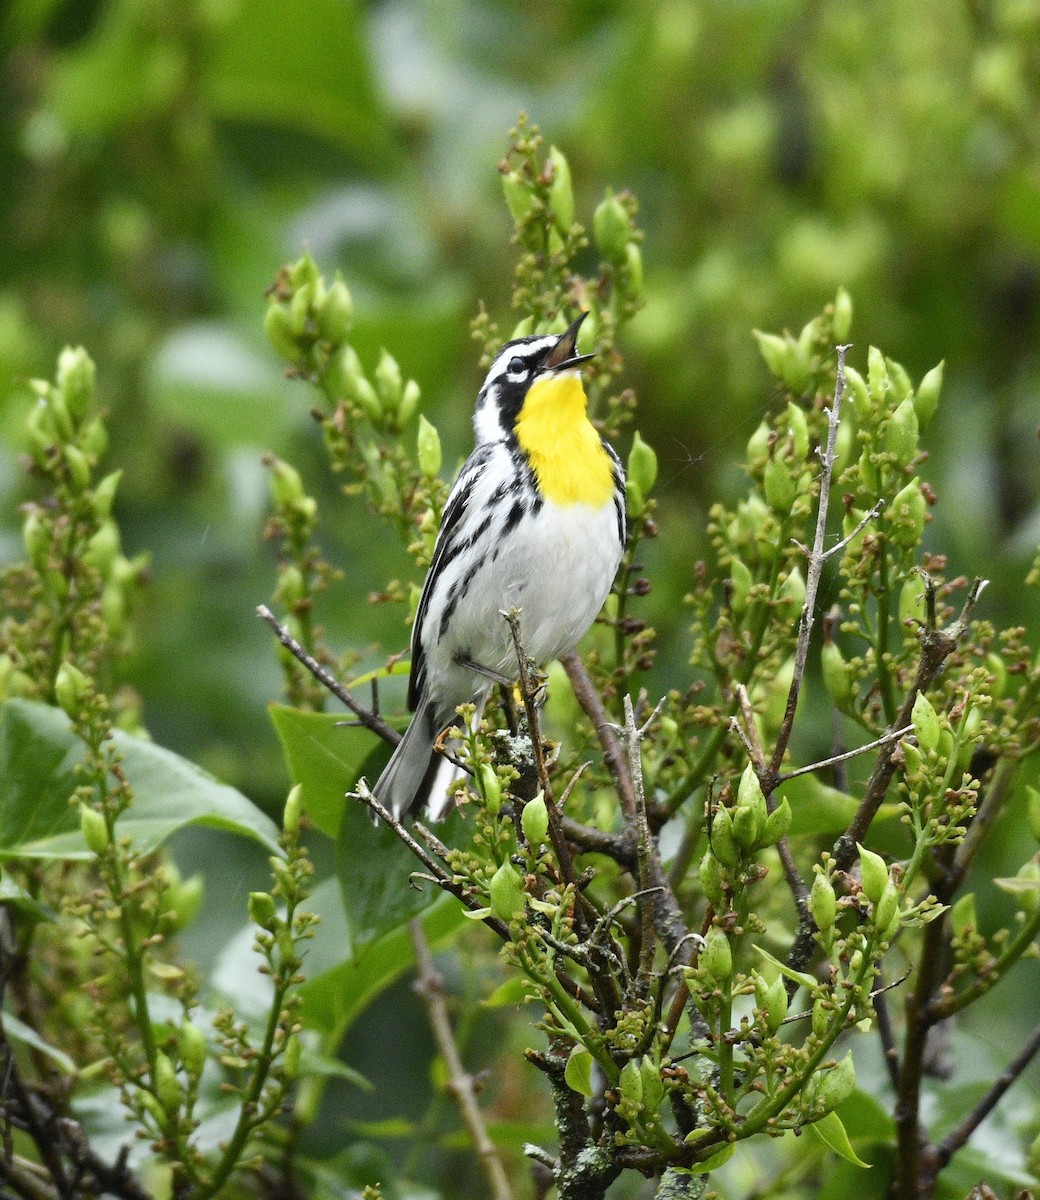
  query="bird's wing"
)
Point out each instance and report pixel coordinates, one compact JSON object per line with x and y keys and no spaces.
{"x":449,"y":536}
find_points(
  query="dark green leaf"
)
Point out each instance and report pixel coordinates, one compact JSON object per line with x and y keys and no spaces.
{"x":831,"y":1132}
{"x":38,"y":758}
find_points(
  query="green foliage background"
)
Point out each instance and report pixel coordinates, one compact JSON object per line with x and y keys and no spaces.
{"x":160,"y":158}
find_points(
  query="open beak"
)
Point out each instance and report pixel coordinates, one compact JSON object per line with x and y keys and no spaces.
{"x":564,"y":354}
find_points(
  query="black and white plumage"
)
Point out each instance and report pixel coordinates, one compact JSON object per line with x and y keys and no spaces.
{"x":506,"y":542}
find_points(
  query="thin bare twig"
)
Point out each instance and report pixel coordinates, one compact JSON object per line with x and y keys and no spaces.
{"x":368,"y":718}
{"x":429,"y":987}
{"x":817,"y":557}
{"x":647,"y":944}
{"x":893,"y":735}
{"x":606,"y":730}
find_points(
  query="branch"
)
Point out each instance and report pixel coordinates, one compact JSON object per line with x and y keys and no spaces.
{"x":368,"y":719}
{"x":437,"y":871}
{"x":893,"y":735}
{"x":429,"y":987}
{"x":613,"y":753}
{"x":817,"y":557}
{"x":956,"y":1138}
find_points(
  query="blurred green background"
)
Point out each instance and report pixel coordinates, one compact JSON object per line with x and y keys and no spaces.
{"x":159,"y":159}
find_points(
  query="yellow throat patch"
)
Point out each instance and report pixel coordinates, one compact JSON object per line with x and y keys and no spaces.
{"x":562,"y":446}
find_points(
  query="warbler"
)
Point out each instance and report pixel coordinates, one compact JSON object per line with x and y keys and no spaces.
{"x":535,"y":521}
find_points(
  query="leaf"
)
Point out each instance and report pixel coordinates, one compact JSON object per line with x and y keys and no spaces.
{"x":831,"y":1132}
{"x":326,"y":758}
{"x":718,"y":1159}
{"x":818,"y":809}
{"x":578,"y":1072}
{"x":39,"y":754}
{"x":18,"y":1031}
{"x":802,"y":977}
{"x":342,"y":980}
{"x":514,"y":990}
{"x":314,"y":1063}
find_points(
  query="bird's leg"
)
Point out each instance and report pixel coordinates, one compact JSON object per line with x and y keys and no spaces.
{"x":487,"y":672}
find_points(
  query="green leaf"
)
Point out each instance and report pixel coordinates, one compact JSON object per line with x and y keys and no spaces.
{"x":818,"y":809}
{"x":310,"y":72}
{"x":326,"y":758}
{"x":831,"y":1132}
{"x":313,"y":1063}
{"x":18,"y":1031}
{"x":343,"y":980}
{"x":718,"y":1159}
{"x":39,"y":754}
{"x":803,"y":977}
{"x":513,"y":991}
{"x":578,"y":1072}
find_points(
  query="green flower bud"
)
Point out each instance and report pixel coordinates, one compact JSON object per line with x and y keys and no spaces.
{"x":779,"y":485}
{"x":293,"y":811}
{"x":151,"y":1105}
{"x":792,"y":593}
{"x":906,"y":515}
{"x":711,"y":880}
{"x":926,"y":723}
{"x":428,"y":448}
{"x":878,"y":381}
{"x":740,"y":586}
{"x":291,"y":1057}
{"x":758,"y":444}
{"x":717,"y":957}
{"x":79,"y":467}
{"x":518,"y":196}
{"x":746,"y":827}
{"x":963,"y":919}
{"x":998,"y":669}
{"x":534,"y":821}
{"x":633,"y":276}
{"x":773,"y":1002}
{"x":901,"y":433}
{"x":489,"y":787}
{"x":887,"y":907}
{"x":336,"y":314}
{"x":778,"y":824}
{"x":93,"y":439}
{"x":278,"y":328}
{"x":367,"y":399}
{"x":191,"y":1045}
{"x":75,"y":378}
{"x":300,"y":313}
{"x":388,"y":380}
{"x":304,"y":272}
{"x":167,"y":1089}
{"x":610,"y":228}
{"x":71,"y":687}
{"x":105,"y":494}
{"x":752,"y":517}
{"x":912,"y":600}
{"x":261,"y":910}
{"x":561,"y":193}
{"x":286,"y":485}
{"x":642,"y":465}
{"x":798,"y":430}
{"x":630,"y":1083}
{"x":292,"y":586}
{"x":842,"y":320}
{"x":820,"y":1020}
{"x":1033,"y":810}
{"x":774,"y":350}
{"x":723,"y":842}
{"x":95,"y":831}
{"x":913,"y":758}
{"x":653,"y":1086}
{"x":506,"y":890}
{"x":836,"y":676}
{"x":635,"y":501}
{"x":102,"y":547}
{"x":857,"y":387}
{"x":36,"y":535}
{"x":837,"y":1084}
{"x":749,"y":790}
{"x":900,"y":386}
{"x":926,"y":398}
{"x":823,"y":904}
{"x":184,"y":899}
{"x":409,"y":406}
{"x":873,"y":873}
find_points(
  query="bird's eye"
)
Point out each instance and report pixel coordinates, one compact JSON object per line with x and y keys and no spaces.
{"x":517,"y":366}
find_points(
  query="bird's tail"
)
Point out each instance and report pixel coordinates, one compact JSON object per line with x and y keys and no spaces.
{"x":416,"y":777}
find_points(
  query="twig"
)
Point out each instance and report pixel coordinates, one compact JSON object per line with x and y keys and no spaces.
{"x":957,"y":1138}
{"x":436,"y":868}
{"x":370,"y":720}
{"x":633,"y":738}
{"x":893,"y":735}
{"x":429,"y":987}
{"x":817,"y":557}
{"x":613,"y":752}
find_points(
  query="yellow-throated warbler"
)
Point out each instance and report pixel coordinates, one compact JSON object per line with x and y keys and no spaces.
{"x":535,"y":521}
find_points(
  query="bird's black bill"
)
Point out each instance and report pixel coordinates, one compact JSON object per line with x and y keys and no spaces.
{"x":563,"y":355}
